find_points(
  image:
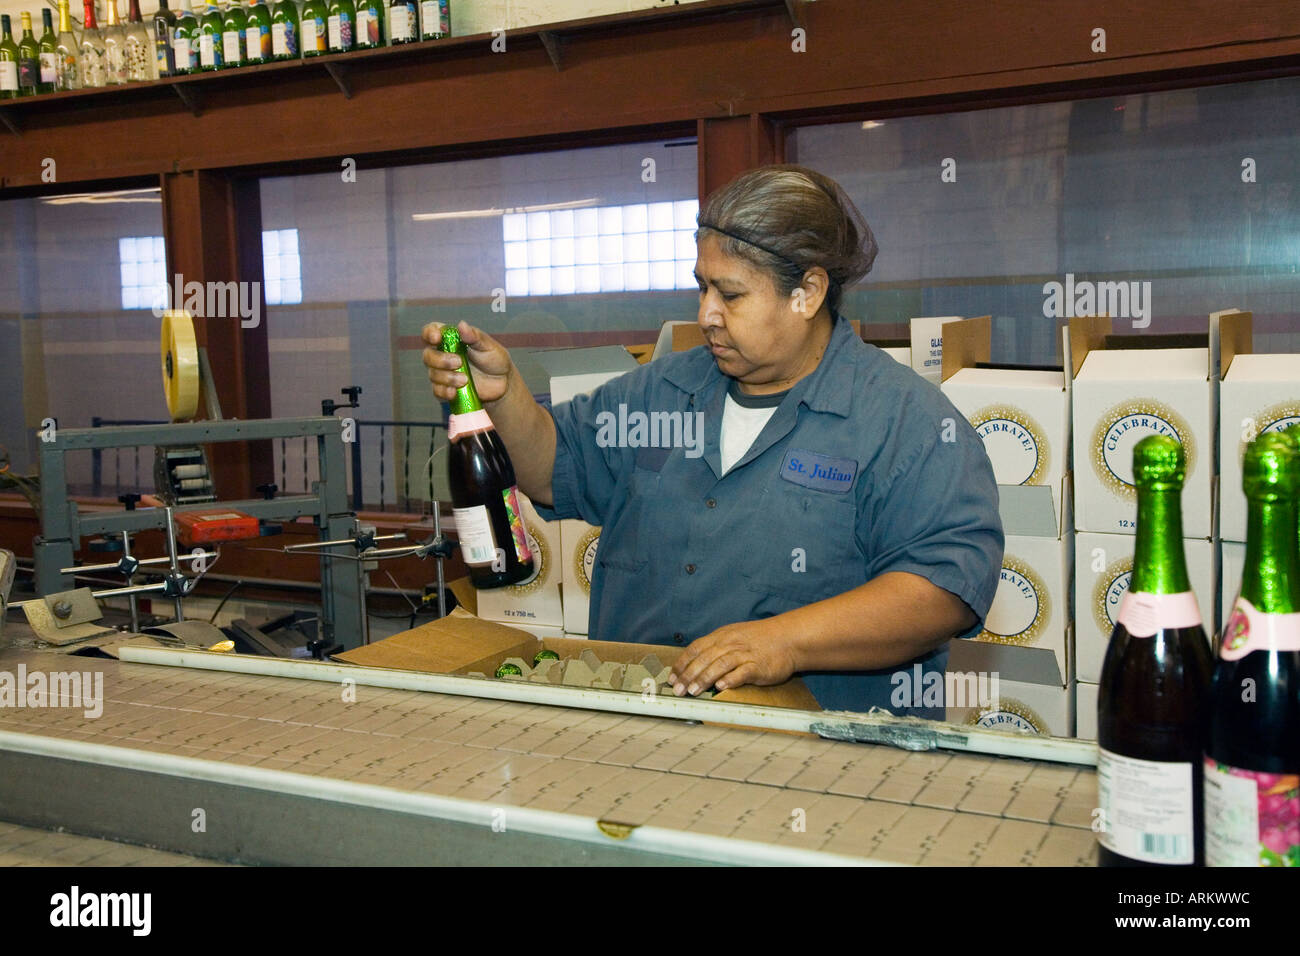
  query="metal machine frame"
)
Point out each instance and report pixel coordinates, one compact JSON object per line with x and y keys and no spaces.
{"x":343,"y":606}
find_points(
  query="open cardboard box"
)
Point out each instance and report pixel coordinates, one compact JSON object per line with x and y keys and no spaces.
{"x":461,"y":643}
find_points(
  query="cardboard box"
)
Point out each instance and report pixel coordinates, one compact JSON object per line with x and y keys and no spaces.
{"x":1032,"y":695}
{"x":578,"y":542}
{"x":1022,"y":416}
{"x":1121,"y":395}
{"x":1260,"y":393}
{"x":461,"y":643}
{"x":1103,"y":565}
{"x":1085,"y":711}
{"x":535,"y":602}
{"x":1233,"y":558}
{"x":927,"y":346}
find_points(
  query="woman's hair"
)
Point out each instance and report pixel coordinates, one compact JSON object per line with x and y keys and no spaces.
{"x":788,"y":219}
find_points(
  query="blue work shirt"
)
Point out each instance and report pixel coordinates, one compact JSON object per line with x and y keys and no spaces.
{"x":863,"y":468}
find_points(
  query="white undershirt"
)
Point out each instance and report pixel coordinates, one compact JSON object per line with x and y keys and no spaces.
{"x":740,"y":429}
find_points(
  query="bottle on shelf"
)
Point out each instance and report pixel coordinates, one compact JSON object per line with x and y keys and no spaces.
{"x":339,"y":25}
{"x":139,"y":47}
{"x":234,"y":21}
{"x":185,"y":40}
{"x":370,"y":24}
{"x":484,"y":496}
{"x":94,"y":51}
{"x":403,"y":21}
{"x":1152,"y":701}
{"x":48,"y":80}
{"x":8,"y":60}
{"x":314,"y":15}
{"x":257,"y":33}
{"x":435,"y":19}
{"x":69,"y":52}
{"x":29,"y":59}
{"x":286,"y":36}
{"x":211,"y":27}
{"x":164,"y":25}
{"x":1252,"y":757}
{"x":114,"y":46}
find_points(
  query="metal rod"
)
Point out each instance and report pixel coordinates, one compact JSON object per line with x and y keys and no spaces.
{"x":314,"y":545}
{"x":175,"y":563}
{"x":130,"y":580}
{"x":437,"y":536}
{"x":84,"y":568}
{"x":111,"y":592}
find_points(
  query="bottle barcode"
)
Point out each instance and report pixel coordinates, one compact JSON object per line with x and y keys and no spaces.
{"x":1170,"y":846}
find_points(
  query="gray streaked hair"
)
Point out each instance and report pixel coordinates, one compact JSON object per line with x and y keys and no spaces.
{"x":787,"y":219}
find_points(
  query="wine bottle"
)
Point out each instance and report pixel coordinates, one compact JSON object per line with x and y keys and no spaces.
{"x":314,"y":15}
{"x":94,"y":54}
{"x":211,"y":46}
{"x":29,"y":59}
{"x":139,"y":47}
{"x":484,"y":497}
{"x":69,"y":52}
{"x":435,"y":19}
{"x":234,"y":21}
{"x":185,"y":40}
{"x":8,"y":60}
{"x":164,"y":25}
{"x":48,"y":80}
{"x":1153,"y":696}
{"x":339,"y":25}
{"x":114,"y":47}
{"x":285,"y":33}
{"x":403,"y":21}
{"x":257,"y":33}
{"x":370,"y":24}
{"x":1252,"y":757}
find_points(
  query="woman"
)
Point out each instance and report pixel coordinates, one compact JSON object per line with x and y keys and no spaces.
{"x":841,"y":521}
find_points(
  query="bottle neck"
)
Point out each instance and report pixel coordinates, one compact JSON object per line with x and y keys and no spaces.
{"x":111,"y":20}
{"x":466,"y":399}
{"x":65,"y":17}
{"x":47,"y":20}
{"x":90,"y":16}
{"x":133,"y":14}
{"x":1270,"y":579}
{"x":1159,"y":565}
{"x":27,"y":25}
{"x":6,"y":32}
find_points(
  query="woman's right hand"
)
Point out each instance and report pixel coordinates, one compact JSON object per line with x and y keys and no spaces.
{"x":488,"y":360}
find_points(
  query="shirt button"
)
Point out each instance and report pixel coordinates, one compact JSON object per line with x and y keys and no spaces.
{"x":690,"y":569}
{"x":710,"y":503}
{"x":679,"y":637}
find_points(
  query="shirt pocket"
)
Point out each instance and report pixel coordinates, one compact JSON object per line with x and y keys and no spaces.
{"x":630,"y":532}
{"x":803,"y":547}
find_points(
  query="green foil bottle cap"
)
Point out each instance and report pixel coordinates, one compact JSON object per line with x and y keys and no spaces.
{"x":1159,"y":463}
{"x":450,"y":338}
{"x":1271,"y":467}
{"x":509,"y":670}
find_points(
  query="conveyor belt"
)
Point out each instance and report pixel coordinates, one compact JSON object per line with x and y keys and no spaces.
{"x":286,"y":772}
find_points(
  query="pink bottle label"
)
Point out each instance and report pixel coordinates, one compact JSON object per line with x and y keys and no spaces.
{"x":467,"y":424}
{"x":1251,"y":818}
{"x":1143,"y":614}
{"x":1251,"y":630}
{"x":517,"y":529}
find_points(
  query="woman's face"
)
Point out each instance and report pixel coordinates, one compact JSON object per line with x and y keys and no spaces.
{"x":752,"y":330}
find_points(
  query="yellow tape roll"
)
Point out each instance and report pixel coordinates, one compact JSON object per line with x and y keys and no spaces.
{"x":180,"y":365}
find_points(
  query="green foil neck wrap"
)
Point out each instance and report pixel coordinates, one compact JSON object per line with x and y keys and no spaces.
{"x":1270,"y":579}
{"x":466,"y":399}
{"x":1159,"y":564}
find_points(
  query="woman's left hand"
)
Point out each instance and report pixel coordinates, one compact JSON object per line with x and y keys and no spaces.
{"x":744,"y":653}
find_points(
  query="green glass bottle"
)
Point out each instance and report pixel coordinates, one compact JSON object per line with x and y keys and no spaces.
{"x":48,"y":78}
{"x":185,"y":40}
{"x":233,"y":22}
{"x":1152,"y":700}
{"x":29,"y":59}
{"x":8,"y":60}
{"x":484,"y":496}
{"x":340,"y":24}
{"x":69,"y":51}
{"x":1252,"y":757}
{"x":286,"y":37}
{"x":370,"y":24}
{"x":314,"y":15}
{"x":211,"y":46}
{"x":164,"y":25}
{"x":403,"y":21}
{"x":435,"y":19}
{"x":257,"y":33}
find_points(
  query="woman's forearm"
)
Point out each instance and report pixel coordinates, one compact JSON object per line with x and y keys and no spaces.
{"x":888,"y":621}
{"x":529,"y":435}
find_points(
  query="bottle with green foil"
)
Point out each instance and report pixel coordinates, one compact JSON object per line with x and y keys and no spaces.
{"x":314,"y":34}
{"x":48,"y":46}
{"x":484,"y":496}
{"x":1152,"y":701}
{"x":8,"y":60}
{"x":212,"y":24}
{"x":257,"y":33}
{"x":234,"y":21}
{"x":1252,"y":755}
{"x":285,"y":35}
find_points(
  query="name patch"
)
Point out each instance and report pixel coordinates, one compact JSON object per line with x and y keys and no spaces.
{"x":821,"y":472}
